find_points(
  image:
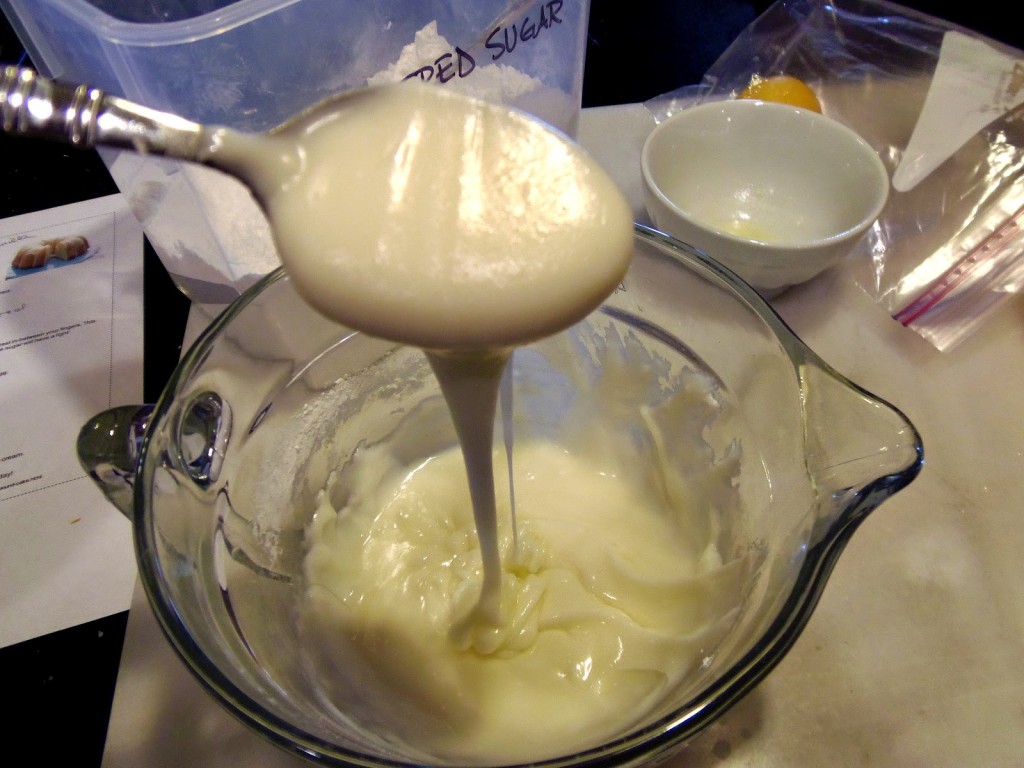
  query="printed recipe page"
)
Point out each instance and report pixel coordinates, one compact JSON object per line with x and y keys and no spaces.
{"x":70,"y":347}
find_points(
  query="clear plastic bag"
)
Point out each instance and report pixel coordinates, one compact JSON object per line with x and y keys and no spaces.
{"x":944,"y":108}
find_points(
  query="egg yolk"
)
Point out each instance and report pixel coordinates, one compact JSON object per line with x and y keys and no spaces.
{"x":784,"y":89}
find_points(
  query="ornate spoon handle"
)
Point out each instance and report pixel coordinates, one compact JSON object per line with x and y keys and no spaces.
{"x":32,"y":105}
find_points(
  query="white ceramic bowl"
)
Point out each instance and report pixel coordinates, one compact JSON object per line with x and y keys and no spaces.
{"x":775,"y":193}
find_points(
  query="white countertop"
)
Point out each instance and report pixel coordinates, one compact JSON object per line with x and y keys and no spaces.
{"x":914,"y":654}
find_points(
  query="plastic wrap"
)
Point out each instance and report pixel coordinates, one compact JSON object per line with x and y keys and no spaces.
{"x":942,"y":105}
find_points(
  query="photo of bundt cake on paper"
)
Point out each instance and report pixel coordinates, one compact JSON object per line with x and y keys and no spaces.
{"x":64,"y":248}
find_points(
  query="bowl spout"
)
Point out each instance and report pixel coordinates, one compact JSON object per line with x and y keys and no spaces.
{"x":860,"y":450}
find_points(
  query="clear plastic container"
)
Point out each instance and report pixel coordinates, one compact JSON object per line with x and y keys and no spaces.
{"x":251,"y":64}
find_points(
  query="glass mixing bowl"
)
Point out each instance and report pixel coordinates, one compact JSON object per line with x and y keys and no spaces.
{"x":782,"y":455}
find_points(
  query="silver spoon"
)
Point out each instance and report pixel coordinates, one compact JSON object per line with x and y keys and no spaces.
{"x":35,"y":106}
{"x":370,"y":192}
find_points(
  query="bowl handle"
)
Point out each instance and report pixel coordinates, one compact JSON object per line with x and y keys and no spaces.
{"x":108,"y":449}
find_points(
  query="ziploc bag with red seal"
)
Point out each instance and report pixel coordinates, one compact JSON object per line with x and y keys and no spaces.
{"x":944,"y":108}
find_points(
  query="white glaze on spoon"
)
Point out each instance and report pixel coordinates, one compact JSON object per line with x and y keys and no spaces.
{"x":418,"y":215}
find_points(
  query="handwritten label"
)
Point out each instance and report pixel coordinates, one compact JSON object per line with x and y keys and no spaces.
{"x":502,"y":40}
